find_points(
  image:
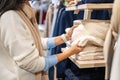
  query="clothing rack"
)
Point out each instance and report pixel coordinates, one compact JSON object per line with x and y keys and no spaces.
{"x":88,"y":8}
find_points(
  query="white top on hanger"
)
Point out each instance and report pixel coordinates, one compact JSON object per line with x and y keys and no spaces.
{"x":56,"y":2}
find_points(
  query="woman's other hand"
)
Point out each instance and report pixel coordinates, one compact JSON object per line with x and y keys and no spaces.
{"x":69,"y":33}
{"x":67,"y":53}
{"x":75,"y":49}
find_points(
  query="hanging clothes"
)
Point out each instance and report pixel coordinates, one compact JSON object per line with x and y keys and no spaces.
{"x":59,"y":10}
{"x":115,"y":71}
{"x":49,"y":19}
{"x":64,"y":20}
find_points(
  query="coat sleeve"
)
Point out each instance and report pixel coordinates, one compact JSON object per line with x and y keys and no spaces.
{"x":19,"y":43}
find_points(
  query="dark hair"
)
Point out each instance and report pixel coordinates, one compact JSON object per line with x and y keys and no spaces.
{"x":6,"y":5}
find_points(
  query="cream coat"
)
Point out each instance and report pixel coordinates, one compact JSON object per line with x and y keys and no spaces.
{"x":19,"y":57}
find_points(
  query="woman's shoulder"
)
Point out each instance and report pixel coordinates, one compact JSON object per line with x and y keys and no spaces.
{"x":9,"y":14}
{"x":10,"y":17}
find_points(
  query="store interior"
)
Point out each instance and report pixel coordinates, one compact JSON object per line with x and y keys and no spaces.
{"x":48,"y":35}
{"x":56,"y":16}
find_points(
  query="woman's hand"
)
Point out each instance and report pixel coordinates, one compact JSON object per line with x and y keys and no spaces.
{"x":67,"y":53}
{"x":64,"y":37}
{"x":69,"y":33}
{"x":75,"y":49}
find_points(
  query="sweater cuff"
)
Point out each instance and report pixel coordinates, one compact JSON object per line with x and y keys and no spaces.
{"x":50,"y":43}
{"x":50,"y":61}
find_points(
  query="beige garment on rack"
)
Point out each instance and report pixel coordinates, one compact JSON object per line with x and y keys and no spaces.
{"x":111,"y":37}
{"x":49,"y":19}
{"x":115,"y":69}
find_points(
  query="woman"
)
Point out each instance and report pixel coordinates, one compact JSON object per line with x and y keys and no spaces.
{"x":21,"y":49}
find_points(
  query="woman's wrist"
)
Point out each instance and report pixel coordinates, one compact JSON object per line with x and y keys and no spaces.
{"x":65,"y":37}
{"x":68,"y":37}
